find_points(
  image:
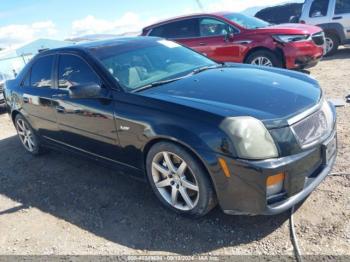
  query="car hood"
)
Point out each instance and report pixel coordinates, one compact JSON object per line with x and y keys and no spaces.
{"x":269,"y":94}
{"x":290,"y":29}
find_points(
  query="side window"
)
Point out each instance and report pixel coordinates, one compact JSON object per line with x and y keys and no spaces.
{"x":181,"y":29}
{"x":342,"y":7}
{"x":73,"y":71}
{"x":212,"y":27}
{"x":319,"y":8}
{"x":41,"y":72}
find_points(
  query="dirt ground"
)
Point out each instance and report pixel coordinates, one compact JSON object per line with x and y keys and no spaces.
{"x":65,"y":205}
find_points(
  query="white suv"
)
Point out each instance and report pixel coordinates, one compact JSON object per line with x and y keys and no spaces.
{"x":333,"y":16}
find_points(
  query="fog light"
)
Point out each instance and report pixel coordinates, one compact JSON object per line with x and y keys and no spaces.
{"x":274,"y":184}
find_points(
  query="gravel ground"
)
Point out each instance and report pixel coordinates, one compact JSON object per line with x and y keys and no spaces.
{"x":66,"y":205}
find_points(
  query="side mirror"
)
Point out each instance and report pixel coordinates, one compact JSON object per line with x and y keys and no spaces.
{"x":229,"y":37}
{"x":294,"y":19}
{"x":91,"y":90}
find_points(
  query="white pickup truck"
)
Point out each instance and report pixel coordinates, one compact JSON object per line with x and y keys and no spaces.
{"x":333,"y":16}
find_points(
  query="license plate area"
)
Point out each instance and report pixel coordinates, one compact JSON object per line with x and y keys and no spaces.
{"x":329,"y":149}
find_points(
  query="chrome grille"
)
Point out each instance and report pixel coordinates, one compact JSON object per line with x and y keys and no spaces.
{"x":319,"y":38}
{"x":315,"y":127}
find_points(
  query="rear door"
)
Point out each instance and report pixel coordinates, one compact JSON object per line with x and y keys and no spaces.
{"x":86,"y":124}
{"x":342,"y":15}
{"x":38,"y":89}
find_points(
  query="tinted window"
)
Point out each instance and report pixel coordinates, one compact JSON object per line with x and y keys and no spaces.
{"x":342,"y":7}
{"x":75,"y":71}
{"x":41,"y":72}
{"x":181,"y":29}
{"x":319,"y":8}
{"x":213,"y":27}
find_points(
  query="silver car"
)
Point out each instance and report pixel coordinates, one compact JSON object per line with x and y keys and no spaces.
{"x":333,"y":16}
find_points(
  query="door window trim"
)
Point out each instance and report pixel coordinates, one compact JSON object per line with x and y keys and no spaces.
{"x":216,"y":36}
{"x":195,"y":37}
{"x":30,"y":70}
{"x":329,"y":10}
{"x":102,"y":82}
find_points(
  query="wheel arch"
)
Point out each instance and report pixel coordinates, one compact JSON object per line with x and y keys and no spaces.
{"x":185,"y":146}
{"x":14,"y":114}
{"x":335,"y":29}
{"x":278,"y":52}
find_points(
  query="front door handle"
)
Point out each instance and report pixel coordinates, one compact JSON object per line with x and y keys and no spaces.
{"x":337,"y":17}
{"x":202,"y":43}
{"x":60,"y":109}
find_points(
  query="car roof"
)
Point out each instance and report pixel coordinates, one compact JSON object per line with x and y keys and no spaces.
{"x":120,"y":41}
{"x":217,"y":14}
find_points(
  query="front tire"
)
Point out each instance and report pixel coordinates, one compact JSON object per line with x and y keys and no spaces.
{"x":179,"y":180}
{"x":27,"y":136}
{"x":332,"y":44}
{"x":264,"y":58}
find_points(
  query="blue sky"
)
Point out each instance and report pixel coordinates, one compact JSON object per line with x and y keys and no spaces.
{"x":23,"y":21}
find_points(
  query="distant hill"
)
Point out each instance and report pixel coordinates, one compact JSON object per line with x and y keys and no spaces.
{"x":281,"y":13}
{"x":95,"y":37}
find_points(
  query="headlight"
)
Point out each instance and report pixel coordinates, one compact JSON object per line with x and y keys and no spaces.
{"x":250,"y":137}
{"x":291,"y":38}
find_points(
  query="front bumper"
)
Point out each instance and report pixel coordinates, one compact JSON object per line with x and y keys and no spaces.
{"x":302,"y":55}
{"x":244,"y":191}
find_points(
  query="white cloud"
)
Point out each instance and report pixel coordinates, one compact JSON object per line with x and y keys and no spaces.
{"x":18,"y":34}
{"x":129,"y":22}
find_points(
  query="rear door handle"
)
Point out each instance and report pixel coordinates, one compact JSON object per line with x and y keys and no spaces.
{"x":60,"y":109}
{"x":337,"y":17}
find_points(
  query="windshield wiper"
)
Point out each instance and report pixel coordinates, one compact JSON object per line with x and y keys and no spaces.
{"x":157,"y":83}
{"x":163,"y":82}
{"x":205,"y":68}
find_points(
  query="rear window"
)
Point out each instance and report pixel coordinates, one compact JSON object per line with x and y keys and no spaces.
{"x":342,"y":7}
{"x":319,"y":8}
{"x":181,"y":29}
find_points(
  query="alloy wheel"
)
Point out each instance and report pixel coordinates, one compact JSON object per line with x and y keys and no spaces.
{"x":262,"y":61}
{"x":175,"y":181}
{"x":26,"y":135}
{"x":329,"y":44}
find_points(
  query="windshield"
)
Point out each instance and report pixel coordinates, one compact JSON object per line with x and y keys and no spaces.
{"x":247,"y":22}
{"x":135,"y":66}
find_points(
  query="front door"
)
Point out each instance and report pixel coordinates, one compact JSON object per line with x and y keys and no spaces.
{"x":86,"y":124}
{"x":216,"y":41}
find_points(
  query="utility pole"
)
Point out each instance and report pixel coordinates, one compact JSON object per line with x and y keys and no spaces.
{"x":200,"y":5}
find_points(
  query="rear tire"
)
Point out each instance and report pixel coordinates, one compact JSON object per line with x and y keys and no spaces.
{"x":264,"y":58}
{"x":27,"y":136}
{"x":332,"y":44}
{"x":179,"y":180}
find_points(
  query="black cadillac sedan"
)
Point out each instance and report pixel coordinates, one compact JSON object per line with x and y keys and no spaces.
{"x":254,"y":140}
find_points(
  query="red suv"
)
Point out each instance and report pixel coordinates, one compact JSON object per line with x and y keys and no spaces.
{"x":234,"y":37}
